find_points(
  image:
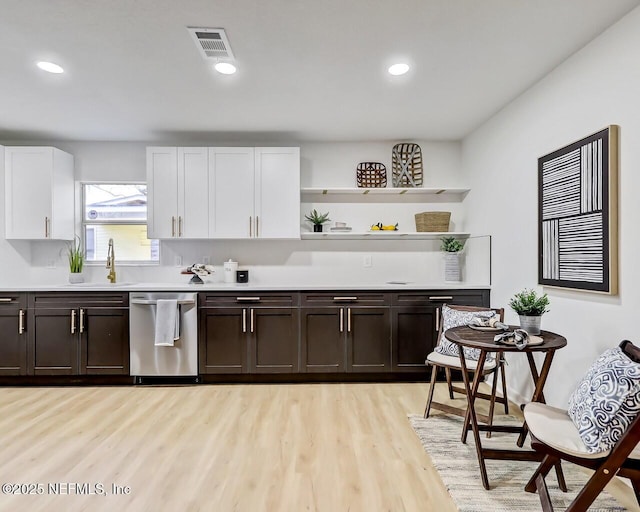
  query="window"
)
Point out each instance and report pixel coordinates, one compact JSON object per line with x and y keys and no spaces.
{"x":117,"y":211}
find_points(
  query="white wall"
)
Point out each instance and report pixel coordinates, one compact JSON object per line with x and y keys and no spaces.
{"x":596,"y":87}
{"x":322,"y":164}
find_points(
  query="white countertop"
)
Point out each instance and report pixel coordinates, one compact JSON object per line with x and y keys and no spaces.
{"x":233,"y":287}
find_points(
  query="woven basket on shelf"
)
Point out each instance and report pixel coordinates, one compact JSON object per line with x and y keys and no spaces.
{"x":432,"y":221}
{"x":371,"y":175}
{"x":406,"y":165}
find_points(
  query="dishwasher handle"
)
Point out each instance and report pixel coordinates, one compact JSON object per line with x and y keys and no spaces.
{"x":149,"y":302}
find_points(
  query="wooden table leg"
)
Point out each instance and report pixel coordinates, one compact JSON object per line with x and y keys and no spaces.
{"x":471,"y":391}
{"x":539,"y":381}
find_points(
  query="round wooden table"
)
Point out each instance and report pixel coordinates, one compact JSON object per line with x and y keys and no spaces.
{"x":483,"y":341}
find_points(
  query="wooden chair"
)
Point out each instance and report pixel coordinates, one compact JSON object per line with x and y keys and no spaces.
{"x":554,"y":434}
{"x":448,"y":363}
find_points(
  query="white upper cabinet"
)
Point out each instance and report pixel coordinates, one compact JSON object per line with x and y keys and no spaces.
{"x":231,"y":184}
{"x":39,"y":193}
{"x":277,"y":192}
{"x":177,"y":192}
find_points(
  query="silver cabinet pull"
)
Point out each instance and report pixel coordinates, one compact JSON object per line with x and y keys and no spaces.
{"x":73,"y":321}
{"x":81,"y":320}
{"x":179,"y":225}
{"x":444,"y":297}
{"x":20,"y":321}
{"x":345,"y":298}
{"x":252,"y":313}
{"x":248,"y":299}
{"x":348,"y":319}
{"x":257,"y":226}
{"x":437,"y":319}
{"x":341,"y":320}
{"x":46,"y":227}
{"x":250,"y":225}
{"x":244,"y":320}
{"x":6,"y":299}
{"x":173,"y":226}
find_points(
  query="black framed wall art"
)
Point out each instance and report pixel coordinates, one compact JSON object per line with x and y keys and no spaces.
{"x":578,"y":214}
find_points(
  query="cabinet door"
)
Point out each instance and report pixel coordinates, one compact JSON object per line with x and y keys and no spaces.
{"x":162,"y":192}
{"x":413,"y":337}
{"x":323,"y":344}
{"x":277,"y":192}
{"x":104,"y":341}
{"x":231,"y":186}
{"x":13,"y":341}
{"x":368,"y":339}
{"x":273,"y":344}
{"x":53,"y":342}
{"x":193,"y":193}
{"x":223,"y":340}
{"x":28,"y":181}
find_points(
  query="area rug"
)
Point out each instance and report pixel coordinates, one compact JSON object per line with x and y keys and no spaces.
{"x":457,"y":465}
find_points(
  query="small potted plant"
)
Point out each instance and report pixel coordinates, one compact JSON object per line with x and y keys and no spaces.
{"x":452,"y":249}
{"x":317,"y":220}
{"x":530,"y":307}
{"x":76,"y":261}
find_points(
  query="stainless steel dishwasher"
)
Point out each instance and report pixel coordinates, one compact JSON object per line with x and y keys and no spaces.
{"x":149,"y":360}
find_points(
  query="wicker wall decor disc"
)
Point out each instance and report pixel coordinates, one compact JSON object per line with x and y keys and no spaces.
{"x":371,"y":175}
{"x":406,"y":165}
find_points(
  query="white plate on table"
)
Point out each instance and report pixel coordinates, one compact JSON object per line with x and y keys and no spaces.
{"x":485,"y":329}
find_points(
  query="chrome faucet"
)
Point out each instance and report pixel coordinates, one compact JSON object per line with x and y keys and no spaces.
{"x":111,"y":262}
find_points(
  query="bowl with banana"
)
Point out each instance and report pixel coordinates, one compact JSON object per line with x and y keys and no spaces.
{"x":384,"y":227}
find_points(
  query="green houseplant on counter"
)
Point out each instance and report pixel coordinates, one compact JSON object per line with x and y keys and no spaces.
{"x":530,"y":307}
{"x":75,"y":254}
{"x":452,"y":248}
{"x":317,"y":220}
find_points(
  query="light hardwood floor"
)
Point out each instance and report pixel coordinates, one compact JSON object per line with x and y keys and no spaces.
{"x":314,"y":447}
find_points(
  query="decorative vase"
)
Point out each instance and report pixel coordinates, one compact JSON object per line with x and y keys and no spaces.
{"x":317,"y":228}
{"x":76,"y":277}
{"x":452,"y":271}
{"x":530,"y":323}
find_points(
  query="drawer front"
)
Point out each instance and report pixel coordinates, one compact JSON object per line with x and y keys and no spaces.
{"x":439,"y":297}
{"x":74,"y":300}
{"x":257,"y":299}
{"x":338,"y":298}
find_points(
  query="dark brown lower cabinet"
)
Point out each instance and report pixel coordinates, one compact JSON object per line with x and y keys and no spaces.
{"x":79,"y":335}
{"x":345,"y":339}
{"x":248,"y":333}
{"x":13,"y":334}
{"x":414,"y":337}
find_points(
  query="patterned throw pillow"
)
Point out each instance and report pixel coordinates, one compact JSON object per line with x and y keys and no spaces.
{"x":455,"y":318}
{"x":606,"y":400}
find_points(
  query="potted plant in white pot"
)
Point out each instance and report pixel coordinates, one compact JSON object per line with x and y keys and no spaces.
{"x":530,"y":307}
{"x":76,"y":261}
{"x":317,"y":220}
{"x":452,"y":249}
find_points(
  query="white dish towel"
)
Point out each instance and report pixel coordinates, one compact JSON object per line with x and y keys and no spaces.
{"x":167,"y":323}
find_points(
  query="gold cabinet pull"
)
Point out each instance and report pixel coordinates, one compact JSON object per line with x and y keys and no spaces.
{"x":6,"y":299}
{"x":252,"y":313}
{"x":341,"y":319}
{"x":81,"y":320}
{"x":437,"y":319}
{"x":344,"y":298}
{"x":348,"y":319}
{"x":441,"y":297}
{"x":73,"y":321}
{"x":173,"y":226}
{"x":179,"y":225}
{"x":244,"y":320}
{"x":20,"y":321}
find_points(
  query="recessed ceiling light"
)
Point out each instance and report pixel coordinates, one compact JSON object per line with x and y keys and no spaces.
{"x":50,"y":67}
{"x":398,"y":69}
{"x":226,"y":68}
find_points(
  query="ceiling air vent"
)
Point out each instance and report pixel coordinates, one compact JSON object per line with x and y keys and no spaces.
{"x":212,"y":43}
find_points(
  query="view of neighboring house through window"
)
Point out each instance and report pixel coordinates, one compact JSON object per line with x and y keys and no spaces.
{"x":117,"y":211}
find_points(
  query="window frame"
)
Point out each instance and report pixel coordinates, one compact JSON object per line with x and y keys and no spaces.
{"x":83,"y":223}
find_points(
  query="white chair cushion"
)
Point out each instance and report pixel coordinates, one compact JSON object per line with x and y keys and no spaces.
{"x":555,"y":428}
{"x":606,"y":400}
{"x":454,"y":361}
{"x":455,"y":318}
